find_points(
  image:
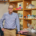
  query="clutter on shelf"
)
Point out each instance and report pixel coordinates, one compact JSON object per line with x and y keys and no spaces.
{"x":21,"y":27}
{"x":18,"y":8}
{"x":24,"y":31}
{"x":15,"y":0}
{"x":21,"y":24}
{"x":30,"y":16}
{"x":20,"y":14}
{"x":30,"y":6}
{"x":29,"y":29}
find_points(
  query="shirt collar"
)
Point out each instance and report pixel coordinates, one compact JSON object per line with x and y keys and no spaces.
{"x":11,"y":13}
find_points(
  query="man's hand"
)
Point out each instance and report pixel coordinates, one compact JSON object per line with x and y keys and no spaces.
{"x":19,"y":32}
{"x":3,"y":29}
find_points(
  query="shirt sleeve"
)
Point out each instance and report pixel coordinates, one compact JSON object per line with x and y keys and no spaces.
{"x":17,"y":23}
{"x":1,"y":21}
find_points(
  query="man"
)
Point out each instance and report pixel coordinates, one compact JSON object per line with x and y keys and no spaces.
{"x":11,"y":21}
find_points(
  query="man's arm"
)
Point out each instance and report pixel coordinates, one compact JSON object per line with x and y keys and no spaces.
{"x":1,"y":21}
{"x":17,"y":23}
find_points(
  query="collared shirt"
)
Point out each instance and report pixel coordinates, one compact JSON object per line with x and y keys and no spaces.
{"x":11,"y":21}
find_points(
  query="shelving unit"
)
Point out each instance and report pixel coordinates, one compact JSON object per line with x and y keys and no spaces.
{"x":19,"y":10}
{"x":21,"y":18}
{"x":27,"y":11}
{"x":29,"y":19}
{"x":4,"y":1}
{"x":29,"y":0}
{"x":30,"y":9}
{"x":16,"y":1}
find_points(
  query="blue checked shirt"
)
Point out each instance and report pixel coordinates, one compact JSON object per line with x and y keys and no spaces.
{"x":11,"y":21}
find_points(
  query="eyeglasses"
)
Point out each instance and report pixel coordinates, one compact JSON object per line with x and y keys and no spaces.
{"x":10,"y":8}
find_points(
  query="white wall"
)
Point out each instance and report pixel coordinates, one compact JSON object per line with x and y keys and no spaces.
{"x":3,"y":8}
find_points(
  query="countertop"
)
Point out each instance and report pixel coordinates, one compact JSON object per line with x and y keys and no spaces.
{"x":29,"y":34}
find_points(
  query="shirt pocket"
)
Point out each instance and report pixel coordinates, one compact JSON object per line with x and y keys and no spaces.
{"x":6,"y":17}
{"x":13,"y":18}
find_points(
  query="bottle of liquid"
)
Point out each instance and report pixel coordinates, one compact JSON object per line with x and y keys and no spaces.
{"x":20,"y":6}
{"x":28,"y":24}
{"x":28,"y":16}
{"x":27,"y":6}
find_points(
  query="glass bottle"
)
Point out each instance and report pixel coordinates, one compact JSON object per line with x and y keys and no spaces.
{"x":27,"y":6}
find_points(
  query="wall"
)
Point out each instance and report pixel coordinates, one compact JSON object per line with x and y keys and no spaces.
{"x":3,"y":9}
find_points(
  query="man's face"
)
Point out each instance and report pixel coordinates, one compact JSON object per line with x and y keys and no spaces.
{"x":10,"y":9}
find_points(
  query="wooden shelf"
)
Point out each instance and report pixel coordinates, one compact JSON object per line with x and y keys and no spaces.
{"x":19,"y":10}
{"x":3,"y":1}
{"x":20,"y":18}
{"x":29,"y":0}
{"x":30,"y":9}
{"x":29,"y":19}
{"x":15,"y":1}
